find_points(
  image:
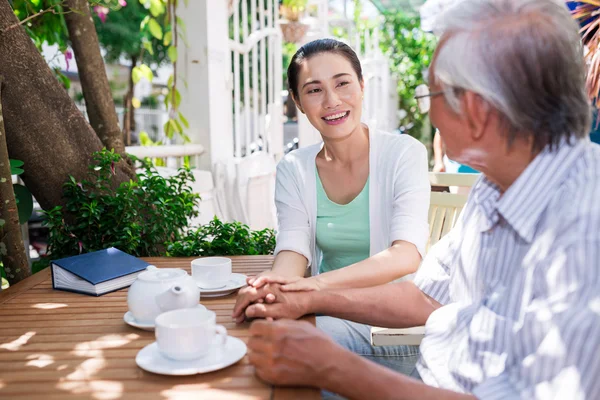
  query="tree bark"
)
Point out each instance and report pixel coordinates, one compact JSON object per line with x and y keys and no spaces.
{"x":44,"y":128}
{"x":14,"y":258}
{"x":92,"y":73}
{"x":129,"y":116}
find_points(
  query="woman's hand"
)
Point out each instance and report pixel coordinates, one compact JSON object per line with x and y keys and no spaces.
{"x":289,"y":284}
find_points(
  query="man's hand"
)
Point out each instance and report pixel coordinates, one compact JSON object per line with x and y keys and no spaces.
{"x":247,"y":296}
{"x":269,"y":302}
{"x":292,"y":353}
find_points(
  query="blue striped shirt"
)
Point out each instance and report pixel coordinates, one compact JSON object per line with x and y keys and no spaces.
{"x":519,"y":281}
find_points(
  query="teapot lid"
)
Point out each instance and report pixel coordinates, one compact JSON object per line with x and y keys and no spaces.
{"x":153,"y":274}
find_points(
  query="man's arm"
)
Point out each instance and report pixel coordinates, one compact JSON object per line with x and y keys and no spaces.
{"x":356,"y":377}
{"x":396,"y":305}
{"x":296,"y":353}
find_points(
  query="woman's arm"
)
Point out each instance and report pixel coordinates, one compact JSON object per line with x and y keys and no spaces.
{"x":438,"y":153}
{"x":401,"y":259}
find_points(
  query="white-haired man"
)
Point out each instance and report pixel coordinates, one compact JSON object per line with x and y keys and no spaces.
{"x":511,"y":296}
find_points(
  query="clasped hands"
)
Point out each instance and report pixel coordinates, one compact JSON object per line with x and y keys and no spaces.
{"x":285,"y":352}
{"x":272,"y":297}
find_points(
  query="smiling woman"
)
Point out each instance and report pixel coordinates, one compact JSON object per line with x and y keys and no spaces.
{"x":353,"y":208}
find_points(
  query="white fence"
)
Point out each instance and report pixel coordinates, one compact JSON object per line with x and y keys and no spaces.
{"x":380,"y":105}
{"x":257,"y":78}
{"x":148,"y":120}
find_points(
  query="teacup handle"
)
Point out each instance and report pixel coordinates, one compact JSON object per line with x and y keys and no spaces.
{"x":222,"y":332}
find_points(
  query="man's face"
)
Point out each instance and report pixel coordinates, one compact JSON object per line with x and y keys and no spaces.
{"x":452,"y":126}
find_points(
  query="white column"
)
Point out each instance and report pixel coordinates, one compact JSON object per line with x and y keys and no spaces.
{"x":204,"y":78}
{"x":307,"y":134}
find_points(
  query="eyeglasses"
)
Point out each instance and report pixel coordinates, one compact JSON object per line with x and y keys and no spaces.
{"x":423,"y":97}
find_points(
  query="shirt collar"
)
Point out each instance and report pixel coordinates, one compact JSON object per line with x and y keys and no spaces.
{"x":526,"y":199}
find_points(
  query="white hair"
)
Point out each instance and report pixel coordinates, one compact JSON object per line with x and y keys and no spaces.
{"x":524,"y":57}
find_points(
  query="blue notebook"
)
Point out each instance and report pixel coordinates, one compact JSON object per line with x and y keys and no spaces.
{"x":96,"y":273}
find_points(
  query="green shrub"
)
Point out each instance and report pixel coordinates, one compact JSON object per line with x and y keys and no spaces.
{"x":137,"y":217}
{"x":219,"y":238}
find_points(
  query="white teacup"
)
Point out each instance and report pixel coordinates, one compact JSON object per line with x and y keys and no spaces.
{"x":211,"y":272}
{"x":188,"y":334}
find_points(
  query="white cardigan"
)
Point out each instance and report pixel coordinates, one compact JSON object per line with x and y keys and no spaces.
{"x":399,"y":193}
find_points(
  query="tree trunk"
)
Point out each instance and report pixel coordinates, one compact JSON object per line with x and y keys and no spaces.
{"x":129,"y":117}
{"x":12,"y":248}
{"x":44,"y":128}
{"x":92,"y":73}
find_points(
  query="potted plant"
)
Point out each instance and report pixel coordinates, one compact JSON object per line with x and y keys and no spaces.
{"x":293,"y":30}
{"x":587,"y":13}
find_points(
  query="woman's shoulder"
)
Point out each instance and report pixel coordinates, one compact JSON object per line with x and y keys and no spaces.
{"x":397,"y":143}
{"x":298,"y":159}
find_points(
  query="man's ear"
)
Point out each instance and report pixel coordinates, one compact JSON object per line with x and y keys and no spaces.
{"x":297,"y":102}
{"x":477,"y":113}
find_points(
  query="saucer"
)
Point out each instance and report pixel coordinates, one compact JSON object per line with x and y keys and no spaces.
{"x":129,"y":320}
{"x":151,"y":359}
{"x":235,"y":282}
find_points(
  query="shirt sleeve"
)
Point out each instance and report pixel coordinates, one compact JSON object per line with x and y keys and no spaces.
{"x":554,"y":347}
{"x":293,"y":228}
{"x":412,"y":193}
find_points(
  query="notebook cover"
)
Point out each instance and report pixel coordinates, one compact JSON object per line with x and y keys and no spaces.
{"x":101,"y":266}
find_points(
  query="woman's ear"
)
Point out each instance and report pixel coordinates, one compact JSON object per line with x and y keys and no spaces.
{"x":297,"y":102}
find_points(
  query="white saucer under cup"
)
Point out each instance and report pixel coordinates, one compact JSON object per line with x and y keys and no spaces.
{"x":211,"y":272}
{"x":152,"y":360}
{"x":236,"y":281}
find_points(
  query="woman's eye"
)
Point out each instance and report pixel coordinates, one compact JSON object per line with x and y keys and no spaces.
{"x":314,"y":91}
{"x":344,"y":83}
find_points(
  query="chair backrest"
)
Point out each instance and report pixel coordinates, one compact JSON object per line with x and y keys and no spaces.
{"x":445,"y":207}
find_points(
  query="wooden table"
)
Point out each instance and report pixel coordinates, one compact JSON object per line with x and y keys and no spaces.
{"x":61,"y":345}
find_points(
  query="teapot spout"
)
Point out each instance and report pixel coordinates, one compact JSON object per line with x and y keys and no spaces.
{"x":172,"y":298}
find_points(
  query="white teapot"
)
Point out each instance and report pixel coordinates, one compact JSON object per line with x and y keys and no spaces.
{"x":159,"y":290}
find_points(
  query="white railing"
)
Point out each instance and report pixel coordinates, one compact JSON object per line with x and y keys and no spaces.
{"x":147,"y":120}
{"x":380,"y":105}
{"x":257,"y":78}
{"x":171,"y":156}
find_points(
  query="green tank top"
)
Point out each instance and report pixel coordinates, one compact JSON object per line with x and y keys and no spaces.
{"x":343,"y":231}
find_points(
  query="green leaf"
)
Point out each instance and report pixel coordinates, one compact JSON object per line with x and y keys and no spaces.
{"x":2,"y":222}
{"x":156,"y":8}
{"x":146,"y":72}
{"x":173,"y":125}
{"x":144,"y":22}
{"x":168,"y":37}
{"x":172,"y":52}
{"x":155,"y":29}
{"x":179,"y":127}
{"x":25,"y":202}
{"x":149,"y":48}
{"x":170,"y":81}
{"x":184,"y":121}
{"x":16,"y":163}
{"x":141,"y":71}
{"x":177,"y":98}
{"x":136,"y":75}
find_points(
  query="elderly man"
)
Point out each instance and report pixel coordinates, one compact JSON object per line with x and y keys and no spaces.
{"x":511,"y":296}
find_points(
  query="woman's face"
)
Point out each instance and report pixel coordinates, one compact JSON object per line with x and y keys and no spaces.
{"x":330,"y":95}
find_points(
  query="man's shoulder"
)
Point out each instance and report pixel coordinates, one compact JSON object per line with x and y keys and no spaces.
{"x":575,"y":206}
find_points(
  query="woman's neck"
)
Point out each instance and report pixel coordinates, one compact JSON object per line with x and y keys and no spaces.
{"x":348,"y":149}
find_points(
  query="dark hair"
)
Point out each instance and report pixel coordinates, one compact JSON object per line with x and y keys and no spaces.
{"x":317,"y":47}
